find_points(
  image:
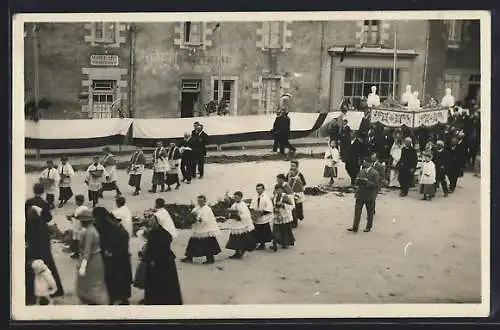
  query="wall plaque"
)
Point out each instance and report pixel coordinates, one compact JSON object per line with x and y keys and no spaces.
{"x":104,"y":60}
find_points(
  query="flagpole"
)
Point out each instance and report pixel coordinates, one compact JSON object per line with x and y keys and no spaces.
{"x":36,"y":79}
{"x":395,"y":58}
{"x":219,"y":84}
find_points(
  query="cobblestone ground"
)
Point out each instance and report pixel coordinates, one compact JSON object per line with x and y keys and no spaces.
{"x":327,"y":265}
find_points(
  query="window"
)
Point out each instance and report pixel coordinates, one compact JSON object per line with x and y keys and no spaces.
{"x":358,"y":83}
{"x":192,"y":33}
{"x":272,"y":33}
{"x":269,"y":100}
{"x":371,"y":33}
{"x":227,"y":88}
{"x":104,"y":32}
{"x":455,"y":33}
{"x":190,"y":85}
{"x":103,"y":95}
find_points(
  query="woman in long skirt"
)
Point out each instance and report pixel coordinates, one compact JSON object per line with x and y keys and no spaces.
{"x":203,"y":242}
{"x":262,"y":208}
{"x":115,"y":251}
{"x":90,"y":282}
{"x":283,"y":218}
{"x":162,"y":282}
{"x":241,"y":239}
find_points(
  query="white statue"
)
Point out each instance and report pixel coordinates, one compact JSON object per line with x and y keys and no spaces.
{"x":407,"y":95}
{"x":448,"y":100}
{"x":373,"y":99}
{"x":414,"y":102}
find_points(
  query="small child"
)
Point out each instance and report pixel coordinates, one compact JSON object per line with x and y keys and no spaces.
{"x":332,"y":157}
{"x":50,"y":178}
{"x":44,"y":283}
{"x":76,"y":225}
{"x":95,"y":176}
{"x":428,"y":177}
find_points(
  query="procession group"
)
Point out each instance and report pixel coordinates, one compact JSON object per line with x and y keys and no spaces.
{"x":374,"y":157}
{"x":100,"y":238}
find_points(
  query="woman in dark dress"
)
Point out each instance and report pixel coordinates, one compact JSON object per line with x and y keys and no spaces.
{"x":37,"y":241}
{"x":162,"y":282}
{"x":115,"y":254}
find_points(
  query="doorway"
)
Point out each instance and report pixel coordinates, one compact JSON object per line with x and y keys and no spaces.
{"x":190,"y":97}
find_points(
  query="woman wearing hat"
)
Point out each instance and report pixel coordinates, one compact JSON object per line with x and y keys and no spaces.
{"x":90,"y":282}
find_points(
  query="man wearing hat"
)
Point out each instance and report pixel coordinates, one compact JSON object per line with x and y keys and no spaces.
{"x":109,"y":164}
{"x":368,"y":182}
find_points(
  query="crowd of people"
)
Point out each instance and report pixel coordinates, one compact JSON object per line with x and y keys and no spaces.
{"x":374,"y":157}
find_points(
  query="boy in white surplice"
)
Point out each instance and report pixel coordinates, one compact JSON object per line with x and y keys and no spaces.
{"x":50,"y":179}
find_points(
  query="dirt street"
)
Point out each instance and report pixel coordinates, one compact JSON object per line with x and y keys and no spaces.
{"x":328,"y":264}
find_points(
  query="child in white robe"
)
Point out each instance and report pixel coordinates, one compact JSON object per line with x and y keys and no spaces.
{"x":331,"y":160}
{"x":428,"y":177}
{"x":66,"y":172}
{"x":76,"y":225}
{"x":262,"y":214}
{"x":94,"y":178}
{"x":283,"y":218}
{"x":241,"y":238}
{"x":45,"y":284}
{"x":50,"y":179}
{"x":203,"y":241}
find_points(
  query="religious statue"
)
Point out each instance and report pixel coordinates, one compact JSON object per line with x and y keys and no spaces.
{"x":414,"y":102}
{"x":448,"y":100}
{"x":373,"y":99}
{"x":407,"y":95}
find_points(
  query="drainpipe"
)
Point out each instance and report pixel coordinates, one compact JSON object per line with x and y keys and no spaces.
{"x":322,"y":49}
{"x":427,"y":42}
{"x":330,"y":92}
{"x":132,"y":70}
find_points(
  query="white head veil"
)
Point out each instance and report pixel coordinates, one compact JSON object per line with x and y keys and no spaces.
{"x":166,"y":222}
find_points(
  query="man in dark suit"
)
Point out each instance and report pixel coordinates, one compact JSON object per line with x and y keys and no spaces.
{"x":407,"y":166}
{"x":283,"y":133}
{"x":200,"y":141}
{"x":187,"y":158}
{"x":354,"y":156}
{"x":441,"y":160}
{"x":345,"y":139}
{"x":455,"y":170}
{"x":275,"y":130}
{"x":366,"y":194}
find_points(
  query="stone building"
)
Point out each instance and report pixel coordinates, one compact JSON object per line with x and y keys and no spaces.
{"x":173,"y":69}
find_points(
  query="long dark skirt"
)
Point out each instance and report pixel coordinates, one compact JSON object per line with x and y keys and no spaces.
{"x":202,"y":247}
{"x":241,"y":242}
{"x":172,"y":178}
{"x":135,"y":180}
{"x":158,"y":178}
{"x":118,"y":275}
{"x":283,"y":234}
{"x":262,"y":233}
{"x":162,"y":284}
{"x":65,"y":193}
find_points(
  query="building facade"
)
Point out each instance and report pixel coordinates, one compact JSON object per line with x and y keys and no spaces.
{"x":173,"y":69}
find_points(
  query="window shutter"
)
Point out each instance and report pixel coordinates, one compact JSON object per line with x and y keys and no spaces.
{"x":195,"y":36}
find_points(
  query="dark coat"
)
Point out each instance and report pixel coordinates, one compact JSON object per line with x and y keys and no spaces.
{"x":281,"y":127}
{"x":37,"y":240}
{"x":365,"y":125}
{"x":200,"y":142}
{"x":408,"y":159}
{"x":368,"y":182}
{"x":441,"y":160}
{"x":162,"y":282}
{"x":114,"y":241}
{"x":187,"y":154}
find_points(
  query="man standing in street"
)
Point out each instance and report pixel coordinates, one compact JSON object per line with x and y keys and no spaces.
{"x":200,"y":141}
{"x":368,"y":186}
{"x":187,"y":158}
{"x":274,"y":131}
{"x":407,"y":165}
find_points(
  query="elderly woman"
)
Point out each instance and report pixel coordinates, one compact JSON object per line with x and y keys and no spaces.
{"x":90,"y":281}
{"x":114,"y":241}
{"x":162,"y":282}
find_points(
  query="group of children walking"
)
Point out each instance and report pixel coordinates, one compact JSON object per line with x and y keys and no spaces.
{"x":268,"y":219}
